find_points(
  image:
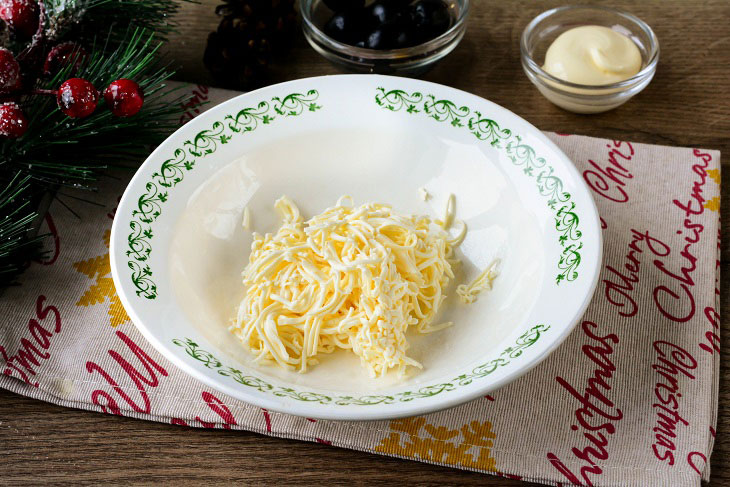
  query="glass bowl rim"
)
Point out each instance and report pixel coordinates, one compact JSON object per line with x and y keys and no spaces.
{"x":638,"y":77}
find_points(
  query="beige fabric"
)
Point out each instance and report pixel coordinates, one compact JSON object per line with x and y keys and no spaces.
{"x":629,"y":399}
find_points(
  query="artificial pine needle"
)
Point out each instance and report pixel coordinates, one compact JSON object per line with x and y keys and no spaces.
{"x":58,"y":151}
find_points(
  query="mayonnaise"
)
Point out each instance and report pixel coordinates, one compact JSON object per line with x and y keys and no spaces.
{"x":592,"y":55}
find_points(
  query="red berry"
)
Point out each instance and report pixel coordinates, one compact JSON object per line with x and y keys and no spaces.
{"x":77,"y":98}
{"x":124,"y":97}
{"x":9,"y":71}
{"x":13,"y":123}
{"x":21,"y":16}
{"x":62,"y":55}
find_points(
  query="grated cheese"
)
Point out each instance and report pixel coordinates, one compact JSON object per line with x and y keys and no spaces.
{"x":351,"y":277}
{"x":450,"y":212}
{"x":246,"y":220}
{"x":484,"y":281}
{"x":423,"y":192}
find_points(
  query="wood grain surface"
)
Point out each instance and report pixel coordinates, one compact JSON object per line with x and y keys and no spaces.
{"x":687,"y":104}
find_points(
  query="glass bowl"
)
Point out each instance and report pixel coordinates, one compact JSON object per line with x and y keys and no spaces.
{"x":546,"y":27}
{"x":409,"y":61}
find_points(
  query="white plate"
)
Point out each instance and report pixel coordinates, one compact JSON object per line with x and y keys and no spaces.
{"x":178,"y":246}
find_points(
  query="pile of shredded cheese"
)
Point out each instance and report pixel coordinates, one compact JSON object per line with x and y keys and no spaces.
{"x":352,"y":278}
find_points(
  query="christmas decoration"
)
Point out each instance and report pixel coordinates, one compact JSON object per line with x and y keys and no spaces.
{"x":64,"y":54}
{"x":55,"y":57}
{"x":77,"y":98}
{"x":9,"y":71}
{"x":251,"y":34}
{"x":124,"y":97}
{"x":22,"y":16}
{"x":13,"y":123}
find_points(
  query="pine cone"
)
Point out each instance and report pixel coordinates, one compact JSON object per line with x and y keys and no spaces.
{"x":250,"y":35}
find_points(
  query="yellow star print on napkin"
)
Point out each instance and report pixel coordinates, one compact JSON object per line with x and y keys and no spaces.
{"x":99,"y":268}
{"x":470,"y":446}
{"x":714,"y":175}
{"x":713,"y":204}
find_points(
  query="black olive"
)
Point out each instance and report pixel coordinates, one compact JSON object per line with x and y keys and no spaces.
{"x":378,"y":39}
{"x":388,"y":24}
{"x":431,"y":17}
{"x":406,"y":38}
{"x":398,"y":31}
{"x":404,"y":32}
{"x":382,"y":12}
{"x":345,"y":27}
{"x":341,"y":5}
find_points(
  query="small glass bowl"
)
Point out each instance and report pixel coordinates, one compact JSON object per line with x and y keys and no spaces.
{"x":408,"y":61}
{"x":546,"y":27}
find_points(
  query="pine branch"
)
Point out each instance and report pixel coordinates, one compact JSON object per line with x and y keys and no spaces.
{"x":108,"y":16}
{"x":60,"y":150}
{"x":57,"y":150}
{"x":17,"y":215}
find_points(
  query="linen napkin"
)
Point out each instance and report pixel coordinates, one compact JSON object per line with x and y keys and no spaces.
{"x":629,"y":399}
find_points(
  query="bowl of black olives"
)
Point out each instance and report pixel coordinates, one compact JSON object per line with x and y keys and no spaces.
{"x":384,"y":36}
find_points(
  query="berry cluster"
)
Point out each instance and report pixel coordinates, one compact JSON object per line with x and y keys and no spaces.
{"x":387,"y":24}
{"x":76,"y":97}
{"x":21,"y":16}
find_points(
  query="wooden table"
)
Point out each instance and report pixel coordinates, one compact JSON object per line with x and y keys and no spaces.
{"x":687,"y":104}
